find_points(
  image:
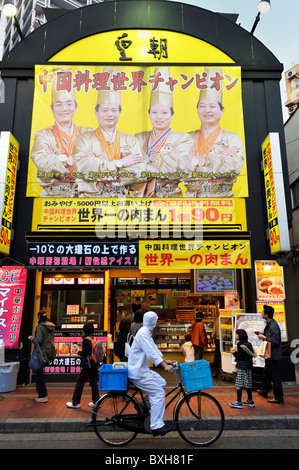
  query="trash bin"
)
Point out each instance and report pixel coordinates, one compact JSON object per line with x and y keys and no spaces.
{"x":8,"y":376}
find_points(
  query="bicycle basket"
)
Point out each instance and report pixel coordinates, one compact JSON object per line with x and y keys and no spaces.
{"x":112,"y":379}
{"x":196,"y":375}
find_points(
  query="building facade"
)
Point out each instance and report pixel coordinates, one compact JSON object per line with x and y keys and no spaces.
{"x":34,"y":13}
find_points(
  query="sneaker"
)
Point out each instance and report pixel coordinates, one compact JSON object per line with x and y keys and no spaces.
{"x":70,"y":405}
{"x":236,"y":404}
{"x":91,"y":404}
{"x":41,"y":400}
{"x":248,"y":403}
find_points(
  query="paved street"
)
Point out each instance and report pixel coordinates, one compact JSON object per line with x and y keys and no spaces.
{"x":263,"y":439}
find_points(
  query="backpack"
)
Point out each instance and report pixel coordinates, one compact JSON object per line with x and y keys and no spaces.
{"x":96,"y":350}
{"x":128,"y":344}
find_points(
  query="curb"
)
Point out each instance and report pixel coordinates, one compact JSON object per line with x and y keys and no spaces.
{"x":47,"y":425}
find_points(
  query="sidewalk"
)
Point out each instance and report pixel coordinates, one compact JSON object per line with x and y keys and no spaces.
{"x":20,"y":413}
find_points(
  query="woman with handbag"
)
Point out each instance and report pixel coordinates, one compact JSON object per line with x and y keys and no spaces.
{"x":44,"y":336}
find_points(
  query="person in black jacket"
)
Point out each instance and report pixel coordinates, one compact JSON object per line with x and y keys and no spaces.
{"x":243,"y":355}
{"x":124,"y":336}
{"x":89,"y":370}
{"x":271,"y":373}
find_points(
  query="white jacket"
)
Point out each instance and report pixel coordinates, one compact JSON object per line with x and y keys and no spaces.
{"x":188,"y":351}
{"x":144,"y":349}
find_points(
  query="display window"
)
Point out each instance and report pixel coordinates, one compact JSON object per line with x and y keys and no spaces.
{"x":72,"y":300}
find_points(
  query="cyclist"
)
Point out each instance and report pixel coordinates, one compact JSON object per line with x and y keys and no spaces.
{"x":143,"y":350}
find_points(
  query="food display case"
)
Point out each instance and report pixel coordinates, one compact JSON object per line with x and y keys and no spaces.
{"x":170,"y":337}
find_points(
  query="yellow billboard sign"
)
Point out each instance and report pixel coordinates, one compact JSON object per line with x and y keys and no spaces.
{"x":107,"y":214}
{"x":9,"y":149}
{"x":275,"y":195}
{"x":205,"y":254}
{"x":137,"y":131}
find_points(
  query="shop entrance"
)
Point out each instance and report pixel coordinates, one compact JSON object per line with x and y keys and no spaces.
{"x":178,"y":299}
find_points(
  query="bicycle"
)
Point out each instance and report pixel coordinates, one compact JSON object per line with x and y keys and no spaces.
{"x":118,"y":416}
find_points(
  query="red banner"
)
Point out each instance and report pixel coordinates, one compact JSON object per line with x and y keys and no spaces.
{"x":12,"y":293}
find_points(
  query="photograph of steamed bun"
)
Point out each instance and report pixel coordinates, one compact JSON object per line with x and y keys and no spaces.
{"x":270,"y":288}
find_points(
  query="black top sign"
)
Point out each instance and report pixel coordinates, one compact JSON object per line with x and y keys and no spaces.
{"x":63,"y":255}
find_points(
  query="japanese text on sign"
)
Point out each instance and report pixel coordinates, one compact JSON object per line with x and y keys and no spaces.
{"x":90,"y":255}
{"x":123,"y":81}
{"x":193,"y":255}
{"x":9,"y":157}
{"x":12,"y":293}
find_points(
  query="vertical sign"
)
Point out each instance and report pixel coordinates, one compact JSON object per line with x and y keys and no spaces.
{"x":9,"y":149}
{"x":12,"y":293}
{"x":275,"y":195}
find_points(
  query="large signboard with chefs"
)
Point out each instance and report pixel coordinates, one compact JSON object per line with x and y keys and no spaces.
{"x":137,"y":131}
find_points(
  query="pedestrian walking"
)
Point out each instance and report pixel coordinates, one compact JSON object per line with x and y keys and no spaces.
{"x":89,"y":371}
{"x":44,"y":335}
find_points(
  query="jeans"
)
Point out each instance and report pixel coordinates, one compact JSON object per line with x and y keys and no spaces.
{"x":41,"y":388}
{"x":85,"y":374}
{"x":271,"y":375}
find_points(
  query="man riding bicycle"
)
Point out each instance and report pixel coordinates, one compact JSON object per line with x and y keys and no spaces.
{"x":143,"y":350}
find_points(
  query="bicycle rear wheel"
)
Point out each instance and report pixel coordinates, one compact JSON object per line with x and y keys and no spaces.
{"x":199,"y":419}
{"x":105,"y":416}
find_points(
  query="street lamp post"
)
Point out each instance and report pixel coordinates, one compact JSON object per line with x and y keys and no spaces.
{"x":263,"y":7}
{"x":9,"y":9}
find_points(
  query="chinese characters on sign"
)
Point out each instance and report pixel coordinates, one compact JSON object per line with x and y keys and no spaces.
{"x":67,"y":346}
{"x":269,"y":280}
{"x":9,"y":149}
{"x":157,"y":47}
{"x":140,"y":216}
{"x":88,"y":255}
{"x":275,"y":195}
{"x":135,"y":80}
{"x":271,"y":198}
{"x":12,"y":293}
{"x":171,"y":254}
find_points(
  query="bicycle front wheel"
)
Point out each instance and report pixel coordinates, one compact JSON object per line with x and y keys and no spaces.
{"x":106,"y":416}
{"x":199,"y":419}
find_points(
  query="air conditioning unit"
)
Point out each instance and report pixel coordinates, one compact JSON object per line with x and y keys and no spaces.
{"x":293,"y":73}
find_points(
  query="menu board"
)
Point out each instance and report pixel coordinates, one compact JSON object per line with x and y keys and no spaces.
{"x":251,"y":322}
{"x":219,"y":280}
{"x":269,"y":280}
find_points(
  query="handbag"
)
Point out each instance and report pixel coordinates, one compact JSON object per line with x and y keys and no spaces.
{"x":128,"y":345}
{"x":36,"y":361}
{"x":264,"y":349}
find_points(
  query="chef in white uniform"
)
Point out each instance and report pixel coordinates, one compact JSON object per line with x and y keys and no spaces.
{"x":143,"y":350}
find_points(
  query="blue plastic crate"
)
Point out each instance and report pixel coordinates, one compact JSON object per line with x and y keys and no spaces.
{"x":196,"y":375}
{"x":112,"y":379}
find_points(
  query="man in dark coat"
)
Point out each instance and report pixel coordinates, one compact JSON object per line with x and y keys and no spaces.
{"x":271,"y":375}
